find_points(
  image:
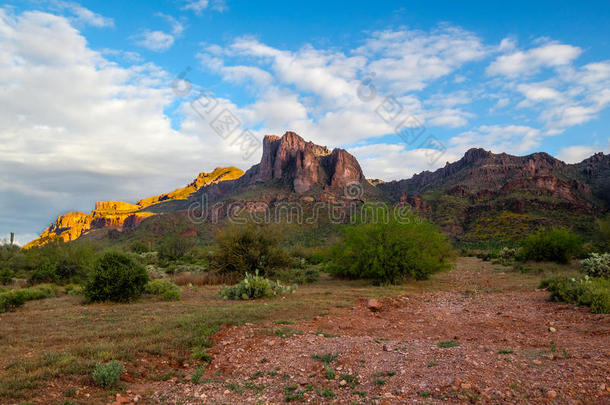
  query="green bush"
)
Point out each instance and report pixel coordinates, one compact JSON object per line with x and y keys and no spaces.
{"x":45,"y":272}
{"x":591,"y":292}
{"x":389,"y":253}
{"x":597,"y":265}
{"x":74,"y":289}
{"x":166,"y":289}
{"x":247,"y":249}
{"x":12,"y":299}
{"x":107,"y":375}
{"x":556,"y":245}
{"x":254,"y":286}
{"x":116,"y":277}
{"x":297,"y":276}
{"x":6,"y":276}
{"x":174,"y":247}
{"x":139,"y":247}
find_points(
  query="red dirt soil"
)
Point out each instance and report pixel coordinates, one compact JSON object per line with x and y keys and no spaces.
{"x":513,"y":346}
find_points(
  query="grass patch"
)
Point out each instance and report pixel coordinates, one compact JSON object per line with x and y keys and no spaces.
{"x":448,"y":343}
{"x":325,"y":358}
{"x":287,"y":332}
{"x":327,"y":335}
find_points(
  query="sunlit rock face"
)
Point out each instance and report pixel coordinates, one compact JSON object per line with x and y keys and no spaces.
{"x":120,"y":214}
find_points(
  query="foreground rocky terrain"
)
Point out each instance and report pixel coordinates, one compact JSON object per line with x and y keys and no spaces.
{"x":484,"y":337}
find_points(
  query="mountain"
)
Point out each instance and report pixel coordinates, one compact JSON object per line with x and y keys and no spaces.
{"x":483,"y":196}
{"x":122,"y":215}
{"x":500,"y":196}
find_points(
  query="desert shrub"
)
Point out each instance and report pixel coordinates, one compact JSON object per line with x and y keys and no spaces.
{"x":45,"y":272}
{"x":556,"y":245}
{"x":174,"y":247}
{"x":307,"y":255}
{"x":139,"y":247}
{"x":597,"y":265}
{"x":254,"y":286}
{"x":74,"y":289}
{"x":12,"y":299}
{"x":58,"y":262}
{"x":297,"y":276}
{"x":246,"y":249}
{"x":389,"y":253}
{"x":166,"y":289}
{"x":6,"y":276}
{"x":591,"y":292}
{"x":116,"y":277}
{"x":603,"y":234}
{"x":107,"y":375}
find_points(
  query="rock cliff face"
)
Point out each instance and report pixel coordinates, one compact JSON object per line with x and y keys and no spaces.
{"x":304,"y":164}
{"x":123,"y":215}
{"x":204,"y":179}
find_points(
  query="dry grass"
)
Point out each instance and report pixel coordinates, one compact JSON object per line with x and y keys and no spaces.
{"x":200,"y":279}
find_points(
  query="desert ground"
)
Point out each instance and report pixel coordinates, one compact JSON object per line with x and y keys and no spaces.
{"x":480,"y":333}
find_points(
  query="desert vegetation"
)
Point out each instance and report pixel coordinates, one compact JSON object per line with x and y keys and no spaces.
{"x":268,"y":278}
{"x":390,"y":253}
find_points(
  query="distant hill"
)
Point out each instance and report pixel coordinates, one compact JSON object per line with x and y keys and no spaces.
{"x":486,"y":195}
{"x":483,"y":196}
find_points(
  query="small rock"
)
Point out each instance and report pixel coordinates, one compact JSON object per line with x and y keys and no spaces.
{"x":551,"y":394}
{"x":388,"y":395}
{"x":343,"y":383}
{"x":374,"y":305}
{"x":552,"y":329}
{"x":466,"y":386}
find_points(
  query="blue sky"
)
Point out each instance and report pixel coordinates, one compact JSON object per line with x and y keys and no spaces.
{"x":89,"y":112}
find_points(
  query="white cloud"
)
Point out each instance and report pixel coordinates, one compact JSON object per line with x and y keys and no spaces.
{"x":84,"y":15}
{"x":535,"y":92}
{"x":197,"y":6}
{"x":76,"y":127}
{"x":514,"y":139}
{"x":578,"y":153}
{"x":408,"y":60}
{"x":530,"y":62}
{"x":394,"y":162}
{"x":157,"y":40}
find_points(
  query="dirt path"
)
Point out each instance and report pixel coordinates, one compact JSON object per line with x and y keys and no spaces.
{"x":481,"y":342}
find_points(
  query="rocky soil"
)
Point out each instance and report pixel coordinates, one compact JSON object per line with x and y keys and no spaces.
{"x":480,"y":341}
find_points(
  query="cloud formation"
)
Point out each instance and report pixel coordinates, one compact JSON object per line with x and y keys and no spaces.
{"x":76,"y":127}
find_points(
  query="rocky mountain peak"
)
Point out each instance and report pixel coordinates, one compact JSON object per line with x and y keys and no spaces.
{"x":475,"y":154}
{"x":303,"y":164}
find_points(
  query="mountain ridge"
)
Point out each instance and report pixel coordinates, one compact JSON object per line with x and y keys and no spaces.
{"x":454,"y":196}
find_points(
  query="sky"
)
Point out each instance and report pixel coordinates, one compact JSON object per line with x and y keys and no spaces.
{"x":116,"y":100}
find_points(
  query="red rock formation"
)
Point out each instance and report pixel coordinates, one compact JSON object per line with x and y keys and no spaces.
{"x":304,"y":164}
{"x":122,"y":215}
